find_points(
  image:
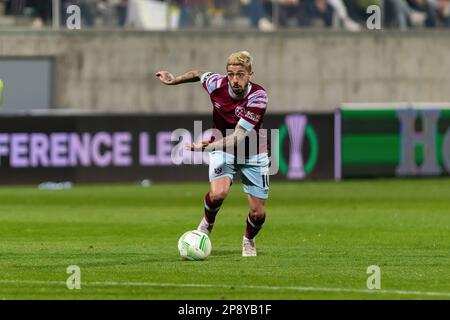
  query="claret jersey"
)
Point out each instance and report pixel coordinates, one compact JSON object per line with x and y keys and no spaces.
{"x":229,"y":111}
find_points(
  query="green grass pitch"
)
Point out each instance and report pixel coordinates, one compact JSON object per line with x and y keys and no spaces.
{"x":317,"y":243}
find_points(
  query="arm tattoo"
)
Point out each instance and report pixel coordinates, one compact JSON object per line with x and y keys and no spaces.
{"x":191,"y":76}
{"x":230,"y":141}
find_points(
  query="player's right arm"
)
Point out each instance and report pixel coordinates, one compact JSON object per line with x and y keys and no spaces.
{"x":167,"y":78}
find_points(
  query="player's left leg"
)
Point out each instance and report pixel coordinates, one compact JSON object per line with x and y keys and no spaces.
{"x":256,"y":185}
{"x":255,"y":220}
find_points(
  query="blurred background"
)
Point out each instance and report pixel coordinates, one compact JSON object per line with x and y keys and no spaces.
{"x":310,"y":55}
{"x":264,"y":15}
{"x":314,"y":57}
{"x":81,"y":105}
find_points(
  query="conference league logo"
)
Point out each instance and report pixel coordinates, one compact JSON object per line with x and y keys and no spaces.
{"x":295,"y":129}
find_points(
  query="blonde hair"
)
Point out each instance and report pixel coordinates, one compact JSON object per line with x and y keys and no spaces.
{"x":241,"y":58}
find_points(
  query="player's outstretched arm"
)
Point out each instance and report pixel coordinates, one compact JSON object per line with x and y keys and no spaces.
{"x":168,"y":78}
{"x":229,"y":141}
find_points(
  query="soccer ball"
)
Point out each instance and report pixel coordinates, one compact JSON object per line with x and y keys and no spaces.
{"x":194,"y":245}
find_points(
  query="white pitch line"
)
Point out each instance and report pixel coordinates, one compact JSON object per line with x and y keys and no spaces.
{"x":193,"y":285}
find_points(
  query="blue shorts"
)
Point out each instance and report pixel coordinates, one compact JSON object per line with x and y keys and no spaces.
{"x":254,"y":172}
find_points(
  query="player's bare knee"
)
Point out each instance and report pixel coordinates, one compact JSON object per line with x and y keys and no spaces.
{"x":258,"y":212}
{"x":218,"y":195}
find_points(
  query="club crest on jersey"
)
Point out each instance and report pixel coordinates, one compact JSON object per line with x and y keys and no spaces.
{"x":218,"y":170}
{"x":239,"y":111}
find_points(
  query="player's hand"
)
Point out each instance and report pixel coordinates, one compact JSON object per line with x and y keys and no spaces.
{"x":200,"y":146}
{"x":166,"y":77}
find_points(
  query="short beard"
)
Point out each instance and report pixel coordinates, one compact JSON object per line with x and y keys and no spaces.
{"x":238,"y":95}
{"x":240,"y":91}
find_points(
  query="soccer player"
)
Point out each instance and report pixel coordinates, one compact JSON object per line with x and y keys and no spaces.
{"x":238,"y":104}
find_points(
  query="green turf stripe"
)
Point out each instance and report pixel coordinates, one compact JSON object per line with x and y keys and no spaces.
{"x":401,"y":225}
